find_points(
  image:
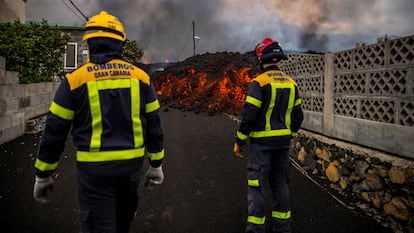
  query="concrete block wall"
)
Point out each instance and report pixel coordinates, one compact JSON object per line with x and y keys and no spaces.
{"x":363,"y":95}
{"x":21,"y":102}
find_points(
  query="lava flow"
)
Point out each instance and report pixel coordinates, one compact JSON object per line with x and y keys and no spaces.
{"x":207,"y":83}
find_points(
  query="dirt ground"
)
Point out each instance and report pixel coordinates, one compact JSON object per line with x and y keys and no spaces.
{"x":204,"y":189}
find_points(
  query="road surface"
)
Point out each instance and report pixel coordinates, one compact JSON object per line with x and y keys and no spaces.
{"x":204,"y":189}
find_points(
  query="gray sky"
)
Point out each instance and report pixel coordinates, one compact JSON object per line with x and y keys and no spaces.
{"x":164,"y":28}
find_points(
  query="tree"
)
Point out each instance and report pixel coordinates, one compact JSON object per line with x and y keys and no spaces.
{"x":131,"y":52}
{"x":34,"y":50}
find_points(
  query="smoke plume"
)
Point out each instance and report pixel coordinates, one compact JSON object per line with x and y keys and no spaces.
{"x":164,"y":28}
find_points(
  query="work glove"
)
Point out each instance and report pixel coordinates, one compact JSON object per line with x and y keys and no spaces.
{"x":42,"y":188}
{"x":154,"y":176}
{"x":237,"y":149}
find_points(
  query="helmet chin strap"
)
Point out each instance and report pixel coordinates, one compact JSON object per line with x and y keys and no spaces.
{"x":269,"y":64}
{"x":263,"y":66}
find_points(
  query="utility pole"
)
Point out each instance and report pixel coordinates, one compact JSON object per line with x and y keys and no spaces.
{"x":194,"y":39}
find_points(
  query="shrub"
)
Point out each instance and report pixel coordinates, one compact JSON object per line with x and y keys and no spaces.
{"x":131,"y":52}
{"x":34,"y":50}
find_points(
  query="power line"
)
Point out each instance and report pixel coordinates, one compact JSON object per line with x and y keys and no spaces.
{"x":84,"y":16}
{"x":185,"y":43}
{"x":71,"y":10}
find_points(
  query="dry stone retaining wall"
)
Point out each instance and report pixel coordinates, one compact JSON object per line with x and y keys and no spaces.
{"x":379,"y":184}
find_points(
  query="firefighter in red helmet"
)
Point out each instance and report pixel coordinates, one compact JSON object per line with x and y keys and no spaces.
{"x":113,"y":112}
{"x":272,"y":115}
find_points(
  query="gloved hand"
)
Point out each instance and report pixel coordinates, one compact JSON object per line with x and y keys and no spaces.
{"x":41,"y":189}
{"x":237,"y":149}
{"x":154,"y":176}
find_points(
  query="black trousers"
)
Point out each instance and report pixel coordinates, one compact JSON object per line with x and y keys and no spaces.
{"x":107,"y":204}
{"x":268,"y":168}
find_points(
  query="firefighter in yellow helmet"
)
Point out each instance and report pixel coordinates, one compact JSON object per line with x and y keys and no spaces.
{"x":113,"y":112}
{"x":272,"y":115}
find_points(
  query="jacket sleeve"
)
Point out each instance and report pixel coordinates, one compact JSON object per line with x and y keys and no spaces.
{"x":154,"y":137}
{"x":58,"y":124}
{"x":297,"y":114}
{"x":249,"y":114}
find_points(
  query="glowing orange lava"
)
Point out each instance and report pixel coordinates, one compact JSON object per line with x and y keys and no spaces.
{"x":225,"y":90}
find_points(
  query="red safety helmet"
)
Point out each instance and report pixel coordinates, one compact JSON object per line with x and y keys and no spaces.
{"x":269,"y":51}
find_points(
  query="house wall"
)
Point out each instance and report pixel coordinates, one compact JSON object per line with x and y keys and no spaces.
{"x":11,"y":11}
{"x":76,"y":37}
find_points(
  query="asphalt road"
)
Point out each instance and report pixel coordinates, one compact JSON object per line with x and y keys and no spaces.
{"x":204,"y":189}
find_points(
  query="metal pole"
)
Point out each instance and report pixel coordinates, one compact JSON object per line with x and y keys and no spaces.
{"x":193,"y":39}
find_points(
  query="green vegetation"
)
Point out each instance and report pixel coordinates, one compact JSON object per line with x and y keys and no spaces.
{"x":131,"y":52}
{"x":34,"y":50}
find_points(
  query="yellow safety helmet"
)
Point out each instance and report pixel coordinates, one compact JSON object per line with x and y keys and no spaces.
{"x":104,"y":25}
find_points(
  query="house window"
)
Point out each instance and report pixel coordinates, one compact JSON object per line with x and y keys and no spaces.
{"x":71,"y":56}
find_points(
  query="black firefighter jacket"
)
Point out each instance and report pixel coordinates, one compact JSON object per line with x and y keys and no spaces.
{"x":272,"y":112}
{"x":113,"y":111}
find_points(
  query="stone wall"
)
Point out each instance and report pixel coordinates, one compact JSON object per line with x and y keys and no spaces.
{"x":359,"y":127}
{"x":21,"y":102}
{"x":379,"y":184}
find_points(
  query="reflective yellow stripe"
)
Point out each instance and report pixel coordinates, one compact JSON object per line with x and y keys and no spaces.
{"x":61,"y":112}
{"x":269,"y":110}
{"x":270,"y":133}
{"x":95,"y":105}
{"x":153,"y":106}
{"x":241,"y":136}
{"x":253,"y":183}
{"x":96,"y":114}
{"x":43,"y":166}
{"x":281,"y":215}
{"x":156,"y":156}
{"x":254,"y":101}
{"x":290,"y":105}
{"x":256,"y":220}
{"x":135,"y":113}
{"x":298,"y":102}
{"x":114,"y":84}
{"x":104,"y":156}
